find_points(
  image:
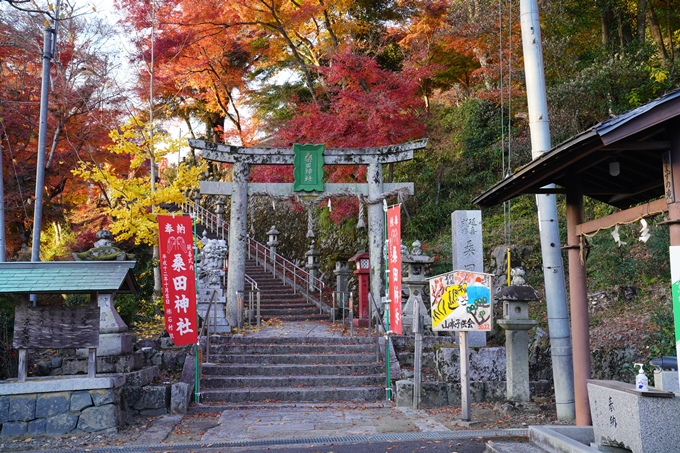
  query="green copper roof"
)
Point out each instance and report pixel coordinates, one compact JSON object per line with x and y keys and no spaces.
{"x":67,"y":277}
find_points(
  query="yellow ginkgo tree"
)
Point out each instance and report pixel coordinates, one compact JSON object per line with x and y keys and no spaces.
{"x":136,"y":195}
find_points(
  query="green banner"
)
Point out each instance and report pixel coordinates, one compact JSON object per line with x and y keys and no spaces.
{"x":308,"y":170}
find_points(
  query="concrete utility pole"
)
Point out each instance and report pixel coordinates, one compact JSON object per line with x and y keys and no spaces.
{"x":553,"y":268}
{"x":42,"y":134}
{"x":2,"y":212}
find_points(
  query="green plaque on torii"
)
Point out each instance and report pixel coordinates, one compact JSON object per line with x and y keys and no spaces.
{"x":308,"y":171}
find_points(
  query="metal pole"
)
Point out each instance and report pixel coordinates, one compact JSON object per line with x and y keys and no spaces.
{"x":553,"y":268}
{"x":417,"y":353}
{"x":2,"y":211}
{"x":464,"y":376}
{"x":42,"y":134}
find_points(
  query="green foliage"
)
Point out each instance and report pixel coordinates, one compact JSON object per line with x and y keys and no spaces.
{"x":56,"y":242}
{"x":635,"y":263}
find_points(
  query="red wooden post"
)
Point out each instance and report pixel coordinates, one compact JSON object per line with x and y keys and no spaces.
{"x":363,"y":271}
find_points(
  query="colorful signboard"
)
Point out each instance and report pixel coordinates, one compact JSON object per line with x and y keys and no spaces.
{"x":461,"y":300}
{"x":394,"y":266}
{"x":308,"y":168}
{"x":176,"y":246}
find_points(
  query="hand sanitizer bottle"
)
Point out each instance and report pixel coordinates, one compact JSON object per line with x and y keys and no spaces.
{"x":641,"y":381}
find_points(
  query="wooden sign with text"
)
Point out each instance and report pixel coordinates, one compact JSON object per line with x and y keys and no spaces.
{"x":56,"y":327}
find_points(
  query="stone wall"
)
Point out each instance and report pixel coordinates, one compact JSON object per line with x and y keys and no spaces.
{"x":100,"y":410}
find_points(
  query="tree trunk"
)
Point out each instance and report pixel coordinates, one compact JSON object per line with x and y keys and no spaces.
{"x":641,"y":25}
{"x":655,"y":31}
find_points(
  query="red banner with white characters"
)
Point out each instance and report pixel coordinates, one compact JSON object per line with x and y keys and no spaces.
{"x":176,"y":247}
{"x":394,"y":266}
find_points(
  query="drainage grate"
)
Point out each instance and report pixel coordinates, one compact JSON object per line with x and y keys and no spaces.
{"x":491,"y":434}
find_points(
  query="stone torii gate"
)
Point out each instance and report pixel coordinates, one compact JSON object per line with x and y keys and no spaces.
{"x":238,"y":189}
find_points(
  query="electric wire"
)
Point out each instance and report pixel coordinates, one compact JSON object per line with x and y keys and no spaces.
{"x":16,"y":174}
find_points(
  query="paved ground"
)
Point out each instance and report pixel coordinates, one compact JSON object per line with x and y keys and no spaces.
{"x":251,"y":428}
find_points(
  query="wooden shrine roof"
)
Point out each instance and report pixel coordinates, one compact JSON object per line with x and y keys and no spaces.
{"x":67,"y":277}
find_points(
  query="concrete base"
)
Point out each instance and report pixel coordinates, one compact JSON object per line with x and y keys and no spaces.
{"x":360,"y":322}
{"x":111,"y":344}
{"x":563,"y":439}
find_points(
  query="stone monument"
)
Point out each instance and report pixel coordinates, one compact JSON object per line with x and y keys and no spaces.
{"x":210,"y":273}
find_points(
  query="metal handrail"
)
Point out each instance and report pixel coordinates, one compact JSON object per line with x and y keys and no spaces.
{"x":206,"y":329}
{"x":377,"y":331}
{"x":290,"y":273}
{"x":287,"y":271}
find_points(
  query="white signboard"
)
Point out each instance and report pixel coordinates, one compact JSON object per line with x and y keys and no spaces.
{"x":461,"y":300}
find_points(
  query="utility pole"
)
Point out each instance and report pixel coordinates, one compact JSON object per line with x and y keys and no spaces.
{"x":49,"y":47}
{"x":2,"y":211}
{"x":553,"y":267}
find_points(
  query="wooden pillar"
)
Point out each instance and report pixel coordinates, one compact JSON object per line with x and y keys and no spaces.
{"x":237,"y":239}
{"x":580,"y":335}
{"x":674,"y":221}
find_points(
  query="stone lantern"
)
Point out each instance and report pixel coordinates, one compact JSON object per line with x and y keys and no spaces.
{"x":516,"y":323}
{"x":273,"y":242}
{"x":312,"y":260}
{"x":415,"y":281}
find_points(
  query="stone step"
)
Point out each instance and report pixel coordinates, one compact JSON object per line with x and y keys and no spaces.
{"x":230,"y":339}
{"x":270,"y":359}
{"x":297,"y":317}
{"x":229,"y":382}
{"x":292,"y":349}
{"x":287,"y":303}
{"x":516,"y":447}
{"x":370,"y":393}
{"x":283,"y":310}
{"x":212,"y":369}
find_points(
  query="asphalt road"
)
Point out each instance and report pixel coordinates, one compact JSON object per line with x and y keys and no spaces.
{"x":477,"y":445}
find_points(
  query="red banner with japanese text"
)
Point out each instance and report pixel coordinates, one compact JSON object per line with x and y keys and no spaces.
{"x":394,"y":266}
{"x":176,"y":247}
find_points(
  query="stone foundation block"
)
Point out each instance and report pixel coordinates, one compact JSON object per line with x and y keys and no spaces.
{"x":22,"y":408}
{"x":61,"y":424}
{"x":486,"y":364}
{"x":13,"y":428}
{"x":99,"y":418}
{"x":180,"y":397}
{"x":4,"y":409}
{"x":80,"y":400}
{"x":52,"y":404}
{"x":154,"y":397}
{"x":37,"y":426}
{"x":102,"y":397}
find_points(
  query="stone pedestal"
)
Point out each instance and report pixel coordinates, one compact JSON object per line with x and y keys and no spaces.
{"x":114,"y":339}
{"x":516,"y":323}
{"x":218,"y":320}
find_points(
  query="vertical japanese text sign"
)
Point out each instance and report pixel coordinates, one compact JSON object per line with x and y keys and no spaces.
{"x":394,"y":266}
{"x":466,"y":228}
{"x":176,"y":245}
{"x":308,"y":171}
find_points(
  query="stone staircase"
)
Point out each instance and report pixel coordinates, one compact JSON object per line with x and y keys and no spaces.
{"x":278,"y":301}
{"x":297,"y":369}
